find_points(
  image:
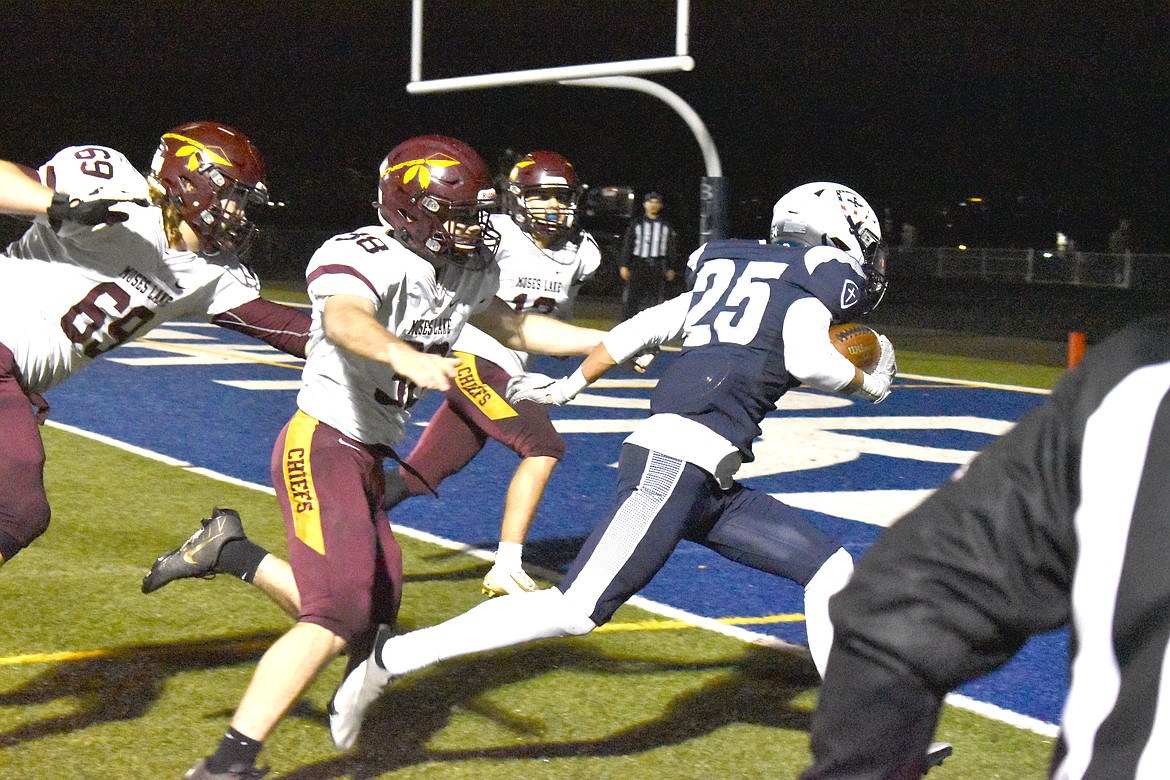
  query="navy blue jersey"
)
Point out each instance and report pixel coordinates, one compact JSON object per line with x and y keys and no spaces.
{"x":731,"y":371}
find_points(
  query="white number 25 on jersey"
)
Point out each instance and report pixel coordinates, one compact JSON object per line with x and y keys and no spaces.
{"x":731,"y":325}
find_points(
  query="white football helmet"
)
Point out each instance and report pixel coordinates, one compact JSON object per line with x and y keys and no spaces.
{"x":834,"y":215}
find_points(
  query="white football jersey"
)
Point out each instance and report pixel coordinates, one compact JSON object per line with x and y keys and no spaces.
{"x":532,"y":279}
{"x":365,"y":399}
{"x":69,"y":295}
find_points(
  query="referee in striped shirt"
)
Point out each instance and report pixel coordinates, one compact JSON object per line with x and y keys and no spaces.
{"x":649,"y":258}
{"x":1063,"y":521}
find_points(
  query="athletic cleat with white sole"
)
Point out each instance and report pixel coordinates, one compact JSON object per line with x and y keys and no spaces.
{"x":198,"y":555}
{"x":235,"y":772}
{"x":937,"y":753}
{"x":361,"y":687}
{"x":502,"y":582}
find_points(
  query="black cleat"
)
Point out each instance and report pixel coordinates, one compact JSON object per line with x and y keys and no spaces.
{"x":235,"y":772}
{"x":937,"y":753}
{"x":199,"y":554}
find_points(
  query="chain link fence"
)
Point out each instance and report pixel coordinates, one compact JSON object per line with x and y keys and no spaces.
{"x":1031,"y":266}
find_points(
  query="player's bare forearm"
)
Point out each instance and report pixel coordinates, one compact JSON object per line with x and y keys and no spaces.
{"x":550,"y":336}
{"x":20,"y":194}
{"x":350,"y":324}
{"x":597,"y":363}
{"x":532,"y":332}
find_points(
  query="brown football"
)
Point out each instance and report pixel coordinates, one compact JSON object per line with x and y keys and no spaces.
{"x":858,"y":343}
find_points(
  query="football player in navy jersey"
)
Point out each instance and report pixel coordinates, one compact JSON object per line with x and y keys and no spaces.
{"x":754,"y":326}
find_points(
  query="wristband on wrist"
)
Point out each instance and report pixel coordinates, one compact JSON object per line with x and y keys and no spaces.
{"x":574,"y":383}
{"x":57,"y":209}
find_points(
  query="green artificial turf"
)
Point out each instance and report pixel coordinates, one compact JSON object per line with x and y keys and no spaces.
{"x":143,"y":685}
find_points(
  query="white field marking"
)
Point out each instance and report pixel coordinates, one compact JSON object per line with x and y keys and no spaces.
{"x":192,"y":324}
{"x":801,"y":443}
{"x":876,"y":507}
{"x":624,"y":384}
{"x":169,"y":332}
{"x":801,"y":401}
{"x":261,"y":384}
{"x":973,"y":383}
{"x":209,"y":354}
{"x":962,"y":702}
{"x":795,"y":400}
{"x":610,"y":401}
{"x":1041,"y":727}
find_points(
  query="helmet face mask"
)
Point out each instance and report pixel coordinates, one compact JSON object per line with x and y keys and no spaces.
{"x":212,"y":176}
{"x":435,"y":196}
{"x":828,"y":214}
{"x":542,"y":197}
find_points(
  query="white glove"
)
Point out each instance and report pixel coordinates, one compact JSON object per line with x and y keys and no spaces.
{"x":876,"y":386}
{"x":886,"y":363}
{"x":642,"y":361}
{"x":543,"y":389}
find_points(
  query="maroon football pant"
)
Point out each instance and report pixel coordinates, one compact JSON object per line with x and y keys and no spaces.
{"x":473,"y":411}
{"x":24,"y":507}
{"x":343,"y":553}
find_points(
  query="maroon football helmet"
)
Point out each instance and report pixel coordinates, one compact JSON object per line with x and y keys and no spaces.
{"x":212,"y":174}
{"x":550,"y":177}
{"x":435,"y":195}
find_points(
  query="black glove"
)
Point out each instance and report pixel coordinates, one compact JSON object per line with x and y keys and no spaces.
{"x":85,"y":212}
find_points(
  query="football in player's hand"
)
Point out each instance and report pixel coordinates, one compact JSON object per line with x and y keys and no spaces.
{"x":858,"y":343}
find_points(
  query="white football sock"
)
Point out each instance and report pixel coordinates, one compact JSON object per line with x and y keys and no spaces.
{"x":833,"y":575}
{"x":508,"y":555}
{"x":496,"y":623}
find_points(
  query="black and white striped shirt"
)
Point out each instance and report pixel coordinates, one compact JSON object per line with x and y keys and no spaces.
{"x":1063,"y":521}
{"x":650,"y":239}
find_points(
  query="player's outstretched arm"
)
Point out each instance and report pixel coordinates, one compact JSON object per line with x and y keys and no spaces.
{"x":543,"y":389}
{"x":279,"y":326}
{"x":21,"y":192}
{"x":350,"y":324}
{"x":640,"y":335}
{"x":533,"y":332}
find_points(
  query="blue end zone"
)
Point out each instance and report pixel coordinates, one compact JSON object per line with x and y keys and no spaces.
{"x":183,"y":411}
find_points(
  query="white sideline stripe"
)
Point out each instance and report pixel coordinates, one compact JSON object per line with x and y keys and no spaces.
{"x":973,"y":383}
{"x":261,"y":384}
{"x":957,"y":700}
{"x":1041,"y":727}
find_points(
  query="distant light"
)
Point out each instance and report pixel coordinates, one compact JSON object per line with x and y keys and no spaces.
{"x":975,"y":200}
{"x":1047,"y":255}
{"x":962,"y":247}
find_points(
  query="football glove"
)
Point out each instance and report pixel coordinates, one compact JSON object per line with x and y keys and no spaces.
{"x":886,"y":363}
{"x":543,"y":389}
{"x":642,"y":360}
{"x":876,"y":386}
{"x":101,"y":211}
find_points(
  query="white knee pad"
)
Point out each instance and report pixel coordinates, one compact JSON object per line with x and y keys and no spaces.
{"x":833,"y":575}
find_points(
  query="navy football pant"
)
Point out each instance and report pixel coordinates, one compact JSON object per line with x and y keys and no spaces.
{"x":662,"y":500}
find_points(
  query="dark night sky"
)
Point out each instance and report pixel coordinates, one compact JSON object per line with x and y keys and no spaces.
{"x":1060,"y":119}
